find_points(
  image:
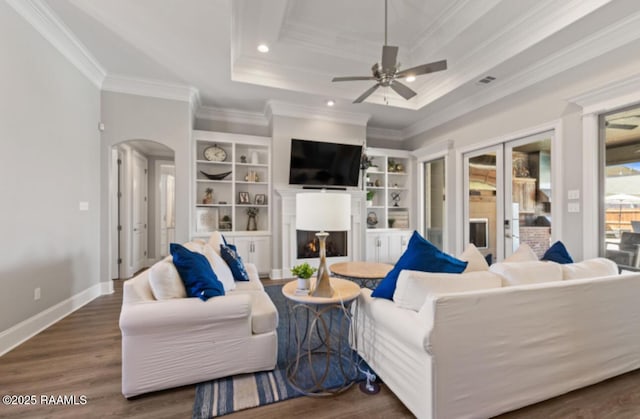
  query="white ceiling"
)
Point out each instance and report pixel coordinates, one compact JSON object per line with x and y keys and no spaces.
{"x":210,"y":45}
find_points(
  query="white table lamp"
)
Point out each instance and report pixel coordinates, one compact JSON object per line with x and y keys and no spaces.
{"x":323,"y":211}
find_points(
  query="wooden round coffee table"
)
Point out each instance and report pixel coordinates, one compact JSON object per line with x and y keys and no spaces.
{"x":365,"y":274}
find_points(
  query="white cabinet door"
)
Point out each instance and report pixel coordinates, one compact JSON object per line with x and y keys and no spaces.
{"x":261,"y":254}
{"x":397,"y":245}
{"x":372,"y":248}
{"x":256,"y":250}
{"x":378,"y":248}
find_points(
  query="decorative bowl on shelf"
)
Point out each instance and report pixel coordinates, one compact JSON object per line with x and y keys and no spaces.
{"x":216,"y":176}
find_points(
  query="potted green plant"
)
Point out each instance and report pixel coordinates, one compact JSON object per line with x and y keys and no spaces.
{"x":370,"y":195}
{"x":303,"y":272}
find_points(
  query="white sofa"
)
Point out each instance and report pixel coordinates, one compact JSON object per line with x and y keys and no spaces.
{"x":480,"y":353}
{"x":178,"y":341}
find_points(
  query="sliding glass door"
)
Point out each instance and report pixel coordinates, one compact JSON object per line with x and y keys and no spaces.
{"x":620,"y":191}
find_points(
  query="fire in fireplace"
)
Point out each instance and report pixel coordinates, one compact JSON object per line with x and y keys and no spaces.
{"x":308,"y":246}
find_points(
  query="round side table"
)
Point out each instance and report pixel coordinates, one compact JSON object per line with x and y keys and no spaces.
{"x":366,"y":274}
{"x":324,"y":363}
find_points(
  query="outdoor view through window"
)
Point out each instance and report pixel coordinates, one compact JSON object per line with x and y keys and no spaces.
{"x":622,"y":188}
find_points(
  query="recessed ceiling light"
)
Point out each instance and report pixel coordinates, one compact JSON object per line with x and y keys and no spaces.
{"x":330,"y":102}
{"x":264,"y":48}
{"x":410,"y":79}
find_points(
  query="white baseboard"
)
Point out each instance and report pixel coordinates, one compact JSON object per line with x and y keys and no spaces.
{"x":275,"y":274}
{"x":106,"y":288}
{"x":30,"y":327}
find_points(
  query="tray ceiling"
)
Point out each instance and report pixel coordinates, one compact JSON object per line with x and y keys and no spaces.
{"x":211,"y":45}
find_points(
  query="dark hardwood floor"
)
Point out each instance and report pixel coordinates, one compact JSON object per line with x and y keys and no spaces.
{"x":80,"y":356}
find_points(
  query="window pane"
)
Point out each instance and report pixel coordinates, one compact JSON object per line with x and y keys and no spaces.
{"x":434,"y":201}
{"x":622,"y":188}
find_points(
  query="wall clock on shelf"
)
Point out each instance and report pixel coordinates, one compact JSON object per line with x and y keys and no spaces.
{"x":215,"y":153}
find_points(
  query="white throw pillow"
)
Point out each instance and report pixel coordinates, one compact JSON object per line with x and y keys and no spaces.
{"x":215,"y":241}
{"x":591,"y":268}
{"x":220,"y":268}
{"x":524,"y":254}
{"x":165,"y":280}
{"x":522,"y":273}
{"x":413,"y":287}
{"x":476,"y":260}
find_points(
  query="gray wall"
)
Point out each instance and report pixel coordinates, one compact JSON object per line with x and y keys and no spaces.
{"x":168,"y":122}
{"x":49,"y":114}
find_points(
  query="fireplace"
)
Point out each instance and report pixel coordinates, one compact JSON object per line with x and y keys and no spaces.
{"x":351,"y":243}
{"x":307,"y":244}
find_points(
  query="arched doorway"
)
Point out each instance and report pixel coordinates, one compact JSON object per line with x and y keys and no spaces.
{"x":142,"y":202}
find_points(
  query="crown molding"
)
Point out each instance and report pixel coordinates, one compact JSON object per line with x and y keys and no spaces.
{"x":232,"y":115}
{"x":278,"y":108}
{"x":586,"y":49}
{"x":610,"y":96}
{"x":385,"y":133}
{"x":151,"y":88}
{"x":38,"y":14}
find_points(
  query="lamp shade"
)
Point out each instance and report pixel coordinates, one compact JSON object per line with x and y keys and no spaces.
{"x":323,"y":211}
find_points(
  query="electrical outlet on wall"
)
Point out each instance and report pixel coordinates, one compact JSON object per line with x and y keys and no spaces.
{"x":36,"y":294}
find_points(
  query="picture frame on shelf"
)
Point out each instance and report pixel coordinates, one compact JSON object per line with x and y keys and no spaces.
{"x":261,"y":199}
{"x":243,"y":198}
{"x":206,"y":220}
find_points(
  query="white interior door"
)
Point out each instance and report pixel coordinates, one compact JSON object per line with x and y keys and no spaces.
{"x":139,"y":212}
{"x":166,"y":201}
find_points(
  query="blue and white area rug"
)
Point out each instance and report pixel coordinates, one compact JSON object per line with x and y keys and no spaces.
{"x":231,"y":394}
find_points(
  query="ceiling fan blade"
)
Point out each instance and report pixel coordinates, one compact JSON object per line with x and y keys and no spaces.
{"x":402,"y":90}
{"x":367,"y":93}
{"x":354,"y":78}
{"x":389,"y":55}
{"x":621,"y":126}
{"x":423,"y":69}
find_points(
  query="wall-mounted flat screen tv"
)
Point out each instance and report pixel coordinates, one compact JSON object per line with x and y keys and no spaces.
{"x":317,"y":163}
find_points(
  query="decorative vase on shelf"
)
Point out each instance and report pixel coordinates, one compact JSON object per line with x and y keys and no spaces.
{"x":208,"y":196}
{"x":252,"y":223}
{"x":254,"y":157}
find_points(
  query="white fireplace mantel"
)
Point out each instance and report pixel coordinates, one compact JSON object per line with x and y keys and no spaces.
{"x":355,"y":237}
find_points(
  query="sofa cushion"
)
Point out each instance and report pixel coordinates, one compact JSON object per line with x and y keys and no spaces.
{"x":414,"y":287}
{"x":477,"y":261}
{"x":220,"y":267}
{"x":264,"y":314}
{"x":522,"y":273}
{"x":557,"y":253}
{"x":590,"y":268}
{"x":196,"y":273}
{"x":165,"y":281}
{"x":215,"y":240}
{"x":234,"y":261}
{"x":420,"y":255}
{"x":524,"y":254}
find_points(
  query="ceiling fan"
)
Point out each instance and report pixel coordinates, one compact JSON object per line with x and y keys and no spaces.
{"x":387,"y":73}
{"x":627,"y":126}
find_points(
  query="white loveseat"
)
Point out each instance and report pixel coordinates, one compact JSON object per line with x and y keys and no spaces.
{"x":178,"y":341}
{"x":480,"y":353}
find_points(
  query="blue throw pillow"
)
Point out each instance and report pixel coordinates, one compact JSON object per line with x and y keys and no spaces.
{"x":196,"y":273}
{"x":557,"y":253}
{"x":420,"y":255}
{"x":233,"y":259}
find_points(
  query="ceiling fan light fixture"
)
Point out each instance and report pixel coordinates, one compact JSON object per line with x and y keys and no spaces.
{"x":263,"y":48}
{"x":386,"y":73}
